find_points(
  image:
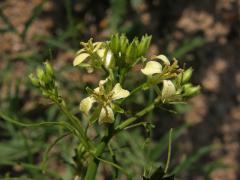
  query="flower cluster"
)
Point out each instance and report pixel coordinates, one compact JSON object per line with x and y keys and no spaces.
{"x":45,"y":81}
{"x":97,"y":54}
{"x":174,"y":80}
{"x":168,"y":80}
{"x":105,"y":103}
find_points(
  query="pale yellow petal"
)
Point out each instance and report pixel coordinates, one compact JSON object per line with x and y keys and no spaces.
{"x":80,"y":51}
{"x":100,"y":89}
{"x":152,"y":67}
{"x":168,"y":89}
{"x":101,"y":53}
{"x":163,"y":58}
{"x":119,"y":92}
{"x":86,"y":104}
{"x":96,"y":90}
{"x":80,"y":58}
{"x":106,"y":115}
{"x":102,"y":82}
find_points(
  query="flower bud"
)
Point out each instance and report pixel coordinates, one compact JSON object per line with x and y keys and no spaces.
{"x":190,"y":90}
{"x":168,"y":89}
{"x":131,"y":53}
{"x":106,"y":115}
{"x":187,"y":75}
{"x":143,"y":45}
{"x":123,"y":44}
{"x":115,"y":44}
{"x":33,"y":80}
{"x":40,"y":74}
{"x":49,"y":69}
{"x":108,"y":60}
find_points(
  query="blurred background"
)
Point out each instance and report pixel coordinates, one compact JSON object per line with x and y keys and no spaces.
{"x":203,"y":34}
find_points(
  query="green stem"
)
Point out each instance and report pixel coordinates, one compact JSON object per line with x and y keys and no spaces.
{"x":134,"y":91}
{"x":93,"y":165}
{"x":75,"y":122}
{"x":122,"y":76}
{"x":139,"y":114}
{"x":169,"y":150}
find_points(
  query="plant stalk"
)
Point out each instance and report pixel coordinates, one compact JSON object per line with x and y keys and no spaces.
{"x":139,"y":114}
{"x":93,"y":165}
{"x":75,"y":122}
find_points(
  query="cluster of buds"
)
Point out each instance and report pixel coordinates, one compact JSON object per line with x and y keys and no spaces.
{"x":187,"y":89}
{"x":45,"y":81}
{"x":125,"y":53}
{"x":116,"y":53}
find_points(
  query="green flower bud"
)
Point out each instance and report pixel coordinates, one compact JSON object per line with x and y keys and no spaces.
{"x":49,"y":69}
{"x":190,"y":90}
{"x":48,"y":81}
{"x":114,"y":44}
{"x":123,"y":44}
{"x":144,"y":45}
{"x":40,"y":73}
{"x":187,"y":75}
{"x":33,"y":80}
{"x":131,"y":55}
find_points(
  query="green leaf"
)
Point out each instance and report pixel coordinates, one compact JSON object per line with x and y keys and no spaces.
{"x":117,"y":108}
{"x":161,"y":146}
{"x":29,"y":167}
{"x":95,"y":115}
{"x":47,"y":123}
{"x":189,"y":162}
{"x":16,"y":149}
{"x":215,"y":165}
{"x":118,"y":9}
{"x":160,"y":175}
{"x":12,"y":120}
{"x":46,"y":154}
{"x":189,"y":45}
{"x":35,"y":13}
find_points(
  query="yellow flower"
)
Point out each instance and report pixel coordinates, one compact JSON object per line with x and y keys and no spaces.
{"x":96,"y":50}
{"x":83,"y":54}
{"x":154,"y":67}
{"x":105,"y":99}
